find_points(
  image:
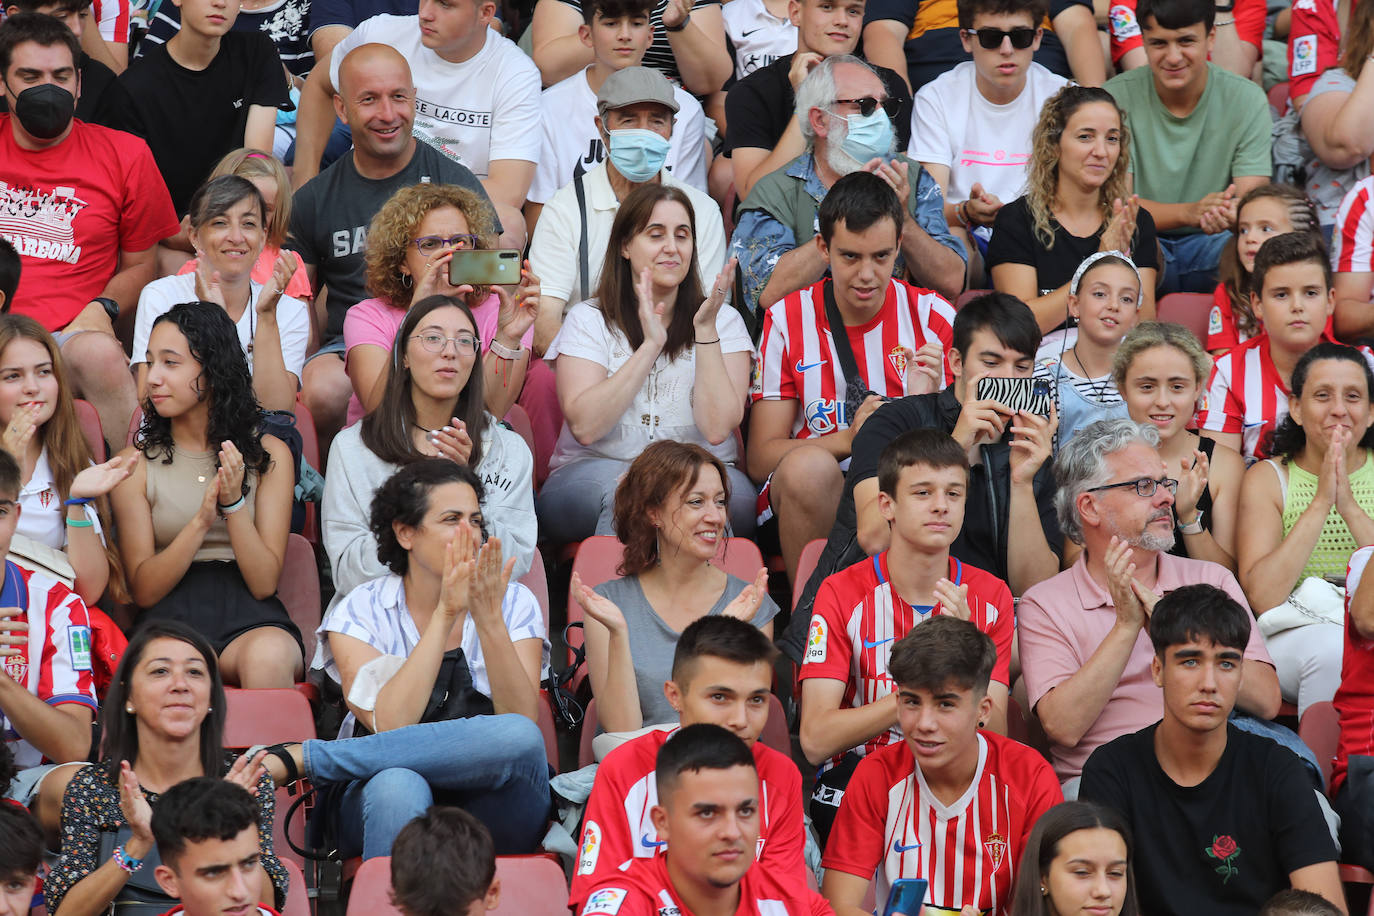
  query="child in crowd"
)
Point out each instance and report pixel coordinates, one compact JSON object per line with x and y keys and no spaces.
{"x":21,"y":853}
{"x":1293,"y":902}
{"x":1104,"y":302}
{"x":850,"y":707}
{"x":1247,"y":395}
{"x":1269,"y":210}
{"x":269,"y":176}
{"x":1078,"y":859}
{"x":443,"y":863}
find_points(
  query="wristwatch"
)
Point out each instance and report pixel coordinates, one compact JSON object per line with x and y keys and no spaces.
{"x":111,"y":307}
{"x":1226,"y":7}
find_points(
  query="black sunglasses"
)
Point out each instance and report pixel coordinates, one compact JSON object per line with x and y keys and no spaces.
{"x":991,"y":39}
{"x":868,"y":104}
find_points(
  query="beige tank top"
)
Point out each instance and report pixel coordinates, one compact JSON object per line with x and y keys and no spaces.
{"x":174,"y":494}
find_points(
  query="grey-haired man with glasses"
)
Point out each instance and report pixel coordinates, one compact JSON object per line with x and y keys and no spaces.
{"x":1084,"y":634}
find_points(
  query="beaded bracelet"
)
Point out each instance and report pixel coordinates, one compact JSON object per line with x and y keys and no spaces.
{"x":126,"y":861}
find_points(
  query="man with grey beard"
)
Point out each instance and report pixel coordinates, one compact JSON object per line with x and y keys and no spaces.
{"x":842,"y":112}
{"x":1084,"y":634}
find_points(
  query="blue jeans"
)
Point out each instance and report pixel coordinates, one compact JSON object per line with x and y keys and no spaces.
{"x":493,"y":766}
{"x":1191,"y":261}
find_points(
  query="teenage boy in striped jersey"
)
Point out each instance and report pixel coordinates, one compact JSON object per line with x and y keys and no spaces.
{"x":950,"y":803}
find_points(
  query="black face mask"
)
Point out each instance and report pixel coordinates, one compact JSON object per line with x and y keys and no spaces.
{"x":44,"y":111}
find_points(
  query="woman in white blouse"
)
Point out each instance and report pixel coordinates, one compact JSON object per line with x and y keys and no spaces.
{"x":651,"y":357}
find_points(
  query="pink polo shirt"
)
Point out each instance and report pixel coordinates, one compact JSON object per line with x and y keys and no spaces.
{"x":1060,"y":623}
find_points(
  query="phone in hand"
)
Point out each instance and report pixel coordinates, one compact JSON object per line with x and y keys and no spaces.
{"x":906,"y":897}
{"x":1031,"y":395}
{"x":484,"y":267}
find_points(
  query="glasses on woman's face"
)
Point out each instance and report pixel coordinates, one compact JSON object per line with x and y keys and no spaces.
{"x":435,"y":343}
{"x":1145,"y":487}
{"x":991,"y":39}
{"x":429,"y":245}
{"x":868,"y":104}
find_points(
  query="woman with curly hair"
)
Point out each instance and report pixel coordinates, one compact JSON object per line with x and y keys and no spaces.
{"x":203,"y":521}
{"x":670,"y":513}
{"x":410,"y":244}
{"x":1077,"y":201}
{"x":62,"y":492}
{"x":432,"y":405}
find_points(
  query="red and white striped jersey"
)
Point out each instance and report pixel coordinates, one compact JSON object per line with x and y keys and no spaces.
{"x":858,"y":616}
{"x":1352,"y":242}
{"x":617,"y":830}
{"x":112,"y":19}
{"x":889,"y":821}
{"x":55,"y":666}
{"x":1246,"y":395}
{"x":797,"y":359}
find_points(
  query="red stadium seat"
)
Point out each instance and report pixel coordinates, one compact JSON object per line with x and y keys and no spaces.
{"x":1278,"y":98}
{"x":299,"y":590}
{"x":537,"y":581}
{"x":1320,"y":729}
{"x":968,"y":296}
{"x":297,"y":897}
{"x":519,"y":421}
{"x":1188,"y":309}
{"x":277,"y":715}
{"x":530,"y":886}
{"x":310,"y":451}
{"x":90,"y":428}
{"x":806,"y":565}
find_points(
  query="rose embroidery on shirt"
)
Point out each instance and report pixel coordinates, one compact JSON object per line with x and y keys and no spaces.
{"x":1224,"y":849}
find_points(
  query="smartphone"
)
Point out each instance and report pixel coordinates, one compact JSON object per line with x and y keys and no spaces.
{"x":906,"y":897}
{"x":1031,"y":395}
{"x":485,"y":267}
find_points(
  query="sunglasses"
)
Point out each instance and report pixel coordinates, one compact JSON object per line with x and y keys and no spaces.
{"x":991,"y":39}
{"x":868,"y":104}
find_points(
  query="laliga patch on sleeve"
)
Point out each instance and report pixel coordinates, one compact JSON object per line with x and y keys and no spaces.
{"x":815,"y":640}
{"x":591,"y":848}
{"x":1214,"y":320}
{"x":1124,"y":24}
{"x":79,"y":646}
{"x":605,"y":902}
{"x":1304,"y":55}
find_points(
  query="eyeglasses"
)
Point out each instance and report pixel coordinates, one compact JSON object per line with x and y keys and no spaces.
{"x":434,"y":343}
{"x":991,"y":39}
{"x":868,"y":104}
{"x":431,"y":244}
{"x":1144,"y":486}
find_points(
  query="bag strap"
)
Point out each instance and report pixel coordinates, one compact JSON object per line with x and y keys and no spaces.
{"x":843,"y":351}
{"x":582,"y":261}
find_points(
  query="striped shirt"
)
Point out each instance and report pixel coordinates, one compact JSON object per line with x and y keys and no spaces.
{"x":1352,"y":242}
{"x":112,"y":19}
{"x":859,"y":616}
{"x":55,"y":666}
{"x":890,"y":822}
{"x":797,"y":359}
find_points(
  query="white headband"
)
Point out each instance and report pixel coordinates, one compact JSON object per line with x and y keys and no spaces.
{"x":1092,"y":259}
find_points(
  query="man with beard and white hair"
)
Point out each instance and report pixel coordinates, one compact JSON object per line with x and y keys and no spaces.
{"x":1084,"y":634}
{"x":842,"y":112}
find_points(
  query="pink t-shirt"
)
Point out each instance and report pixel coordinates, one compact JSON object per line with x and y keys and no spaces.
{"x":375,"y":322}
{"x":1062,"y":621}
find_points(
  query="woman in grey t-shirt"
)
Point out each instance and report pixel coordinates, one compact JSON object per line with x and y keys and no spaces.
{"x":670,"y":513}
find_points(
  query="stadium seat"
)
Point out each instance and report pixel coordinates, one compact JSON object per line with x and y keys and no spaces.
{"x":519,"y":421}
{"x":806,"y":565}
{"x":299,"y":590}
{"x":1278,"y":98}
{"x":968,"y":296}
{"x":590,"y":725}
{"x":1188,"y":309}
{"x":530,"y":886}
{"x":273,"y":715}
{"x":1320,"y":729}
{"x":310,"y":451}
{"x":134,"y":422}
{"x":598,"y":556}
{"x":297,"y":897}
{"x":90,"y":428}
{"x":547,"y":729}
{"x":537,"y":581}
{"x":774,"y":732}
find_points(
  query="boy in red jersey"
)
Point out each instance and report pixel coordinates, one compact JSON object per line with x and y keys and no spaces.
{"x":950,"y":803}
{"x":709,"y":799}
{"x":722,"y":671}
{"x":849,"y":699}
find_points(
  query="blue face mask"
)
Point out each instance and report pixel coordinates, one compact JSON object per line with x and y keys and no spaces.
{"x":869,"y":136}
{"x":638,"y":154}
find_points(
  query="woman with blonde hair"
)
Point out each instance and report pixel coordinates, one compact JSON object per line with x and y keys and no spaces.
{"x":62,"y":492}
{"x":269,"y":176}
{"x":410,"y":244}
{"x":1077,"y":202}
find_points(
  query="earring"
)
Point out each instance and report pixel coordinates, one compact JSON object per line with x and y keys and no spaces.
{"x":129,"y":708}
{"x":407,"y":280}
{"x":209,"y":709}
{"x":1044,"y":891}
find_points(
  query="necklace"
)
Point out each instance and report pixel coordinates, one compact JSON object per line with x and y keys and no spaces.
{"x":1099,"y":386}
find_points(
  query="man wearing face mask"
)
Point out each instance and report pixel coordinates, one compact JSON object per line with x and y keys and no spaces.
{"x":842,"y":111}
{"x":85,"y":207}
{"x":635,"y":108}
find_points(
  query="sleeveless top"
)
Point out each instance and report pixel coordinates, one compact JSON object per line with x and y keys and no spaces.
{"x":1335,"y":544}
{"x":1204,"y":502}
{"x":174,"y":493}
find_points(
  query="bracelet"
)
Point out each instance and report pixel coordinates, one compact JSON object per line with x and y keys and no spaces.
{"x":686,"y":19}
{"x":80,"y":523}
{"x":1193,"y":527}
{"x":504,"y":352}
{"x":126,"y":861}
{"x":79,"y":501}
{"x":233,"y":507}
{"x":1222,"y":22}
{"x":704,"y":343}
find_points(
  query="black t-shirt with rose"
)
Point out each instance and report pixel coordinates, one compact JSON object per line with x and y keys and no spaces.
{"x":1224,"y":846}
